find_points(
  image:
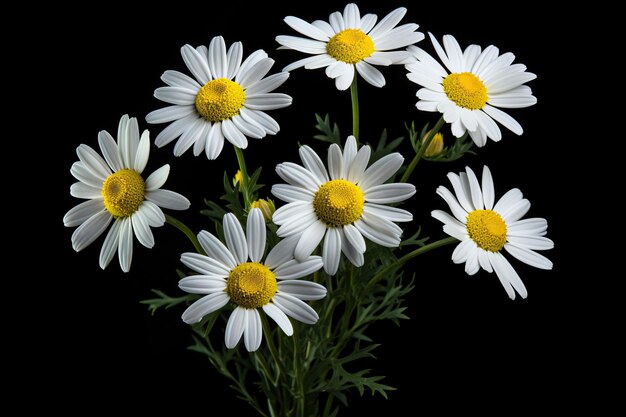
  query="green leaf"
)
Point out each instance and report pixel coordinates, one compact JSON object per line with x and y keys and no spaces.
{"x":165,"y":301}
{"x":328,"y":133}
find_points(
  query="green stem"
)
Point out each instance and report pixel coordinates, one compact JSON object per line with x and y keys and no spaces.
{"x":244,"y":177}
{"x":300,"y":397}
{"x":400,"y":261}
{"x":422,"y":149}
{"x":187,"y":231}
{"x":354,"y":94}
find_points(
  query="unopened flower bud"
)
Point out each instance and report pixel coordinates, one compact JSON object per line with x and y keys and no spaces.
{"x":436,"y":145}
{"x":238,"y":180}
{"x":267,"y":207}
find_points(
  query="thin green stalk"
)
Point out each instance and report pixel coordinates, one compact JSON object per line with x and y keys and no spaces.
{"x":354,"y":94}
{"x":244,"y":176}
{"x":187,"y":231}
{"x":422,"y":149}
{"x":300,"y":397}
{"x":401,"y":261}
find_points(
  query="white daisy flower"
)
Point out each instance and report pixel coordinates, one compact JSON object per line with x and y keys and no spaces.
{"x":471,"y":87}
{"x":234,"y":273}
{"x":227,"y":98}
{"x":342,"y":205}
{"x":349,"y":41}
{"x":485,"y":228}
{"x":116,"y":192}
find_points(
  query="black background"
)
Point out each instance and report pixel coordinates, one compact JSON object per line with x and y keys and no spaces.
{"x":466,"y":347}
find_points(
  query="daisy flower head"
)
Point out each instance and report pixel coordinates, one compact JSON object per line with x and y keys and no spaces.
{"x":234,"y":273}
{"x":341,"y":205}
{"x":470,"y":87}
{"x":225,"y":99}
{"x":485,"y":229}
{"x":117,"y":193}
{"x":349,"y":42}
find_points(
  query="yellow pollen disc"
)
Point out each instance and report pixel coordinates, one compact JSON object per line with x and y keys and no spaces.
{"x":487,"y":229}
{"x":251,"y":285}
{"x":220,"y":99}
{"x":338,"y":203}
{"x":465,"y":90}
{"x":123,"y":192}
{"x":350,"y":45}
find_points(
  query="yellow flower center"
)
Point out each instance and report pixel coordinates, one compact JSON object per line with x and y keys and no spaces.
{"x":251,"y":285}
{"x":465,"y":90}
{"x":338,"y":203}
{"x":220,"y":99}
{"x":123,"y":192}
{"x":487,"y":229}
{"x":350,"y":45}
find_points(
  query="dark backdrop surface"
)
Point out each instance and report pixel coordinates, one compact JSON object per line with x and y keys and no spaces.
{"x":466,"y":347}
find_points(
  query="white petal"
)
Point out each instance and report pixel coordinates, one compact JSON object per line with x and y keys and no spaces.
{"x":251,"y":130}
{"x":295,"y":308}
{"x":216,"y":249}
{"x":515,"y":212}
{"x":281,"y":252}
{"x":232,"y":134}
{"x":316,"y":61}
{"x":381,"y":237}
{"x":506,"y":120}
{"x":190,"y":136}
{"x":331,"y":252}
{"x":168,"y":199}
{"x":291,"y":210}
{"x":475,"y":192}
{"x":202,"y":284}
{"x":334,"y":161}
{"x":267,"y":101}
{"x":456,"y":231}
{"x":142,"y":230}
{"x":205,"y":265}
{"x":368,"y":21}
{"x":354,"y":256}
{"x":252,"y":74}
{"x":310,"y":238}
{"x":308,"y":46}
{"x":297,"y":224}
{"x":469,"y":120}
{"x":527,"y":227}
{"x":472,"y":266}
{"x":324,"y":27}
{"x":509,"y":199}
{"x":370,"y":74}
{"x":235,"y":238}
{"x":82,"y":190}
{"x":461,"y":188}
{"x":528,"y":256}
{"x":313,"y":163}
{"x":299,"y":176}
{"x":205,"y":305}
{"x":267,"y":84}
{"x":435,"y":71}
{"x":109,"y":247}
{"x":380,"y":171}
{"x":93,"y":162}
{"x":483,"y":261}
{"x":448,"y":220}
{"x":78,"y":214}
{"x":440,"y":52}
{"x":152,"y":213}
{"x":349,"y":153}
{"x":359,"y":164}
{"x":389,"y":193}
{"x":512,"y":102}
{"x":462,"y":251}
{"x":256,"y":234}
{"x":176,"y":95}
{"x":170,"y":113}
{"x":454,"y":53}
{"x":110,"y":150}
{"x":354,"y":237}
{"x":304,"y":290}
{"x":509,"y":82}
{"x":214,"y":141}
{"x":399,"y":37}
{"x":393,"y":214}
{"x":507,"y":275}
{"x":143,"y":152}
{"x":178,"y":79}
{"x":291,"y":193}
{"x":249,"y":62}
{"x":487,"y":124}
{"x":279,"y":317}
{"x":531,"y":242}
{"x":262,"y":119}
{"x":294,"y":269}
{"x":90,"y":230}
{"x":235,"y":327}
{"x":125,"y":139}
{"x":343,"y":80}
{"x":196,"y":63}
{"x":336,"y":21}
{"x":218,"y":63}
{"x":253,"y":332}
{"x":388,"y":22}
{"x":157,"y":178}
{"x":174,"y":130}
{"x":454,"y":205}
{"x":125,"y":247}
{"x":351,"y":16}
{"x":306,"y":28}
